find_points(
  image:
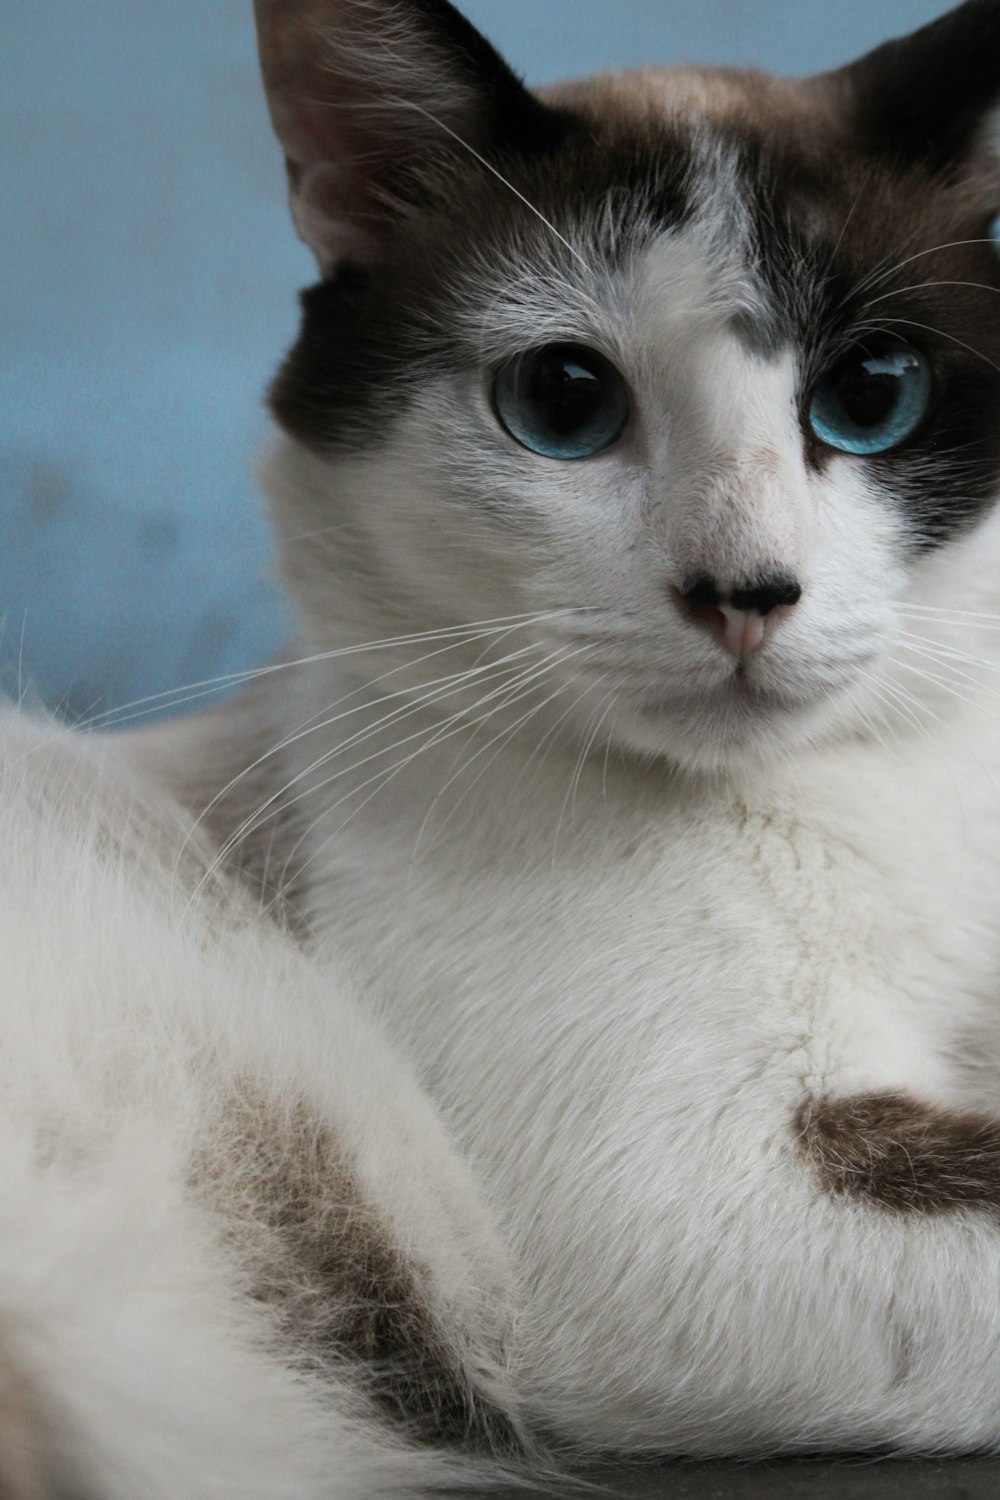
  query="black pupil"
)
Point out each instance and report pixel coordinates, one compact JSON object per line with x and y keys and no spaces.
{"x":866,"y":392}
{"x":565,"y":389}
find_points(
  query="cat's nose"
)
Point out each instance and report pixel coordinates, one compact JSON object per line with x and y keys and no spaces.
{"x":740,"y":618}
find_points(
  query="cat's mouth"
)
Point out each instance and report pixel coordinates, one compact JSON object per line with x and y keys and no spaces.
{"x":735,"y":719}
{"x":744,"y":687}
{"x":739,"y":695}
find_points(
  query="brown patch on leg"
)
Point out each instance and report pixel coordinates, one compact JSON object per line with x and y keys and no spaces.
{"x":323,"y":1263}
{"x":902,"y":1154}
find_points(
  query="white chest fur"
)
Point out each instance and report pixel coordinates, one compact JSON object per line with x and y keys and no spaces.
{"x":621,"y":988}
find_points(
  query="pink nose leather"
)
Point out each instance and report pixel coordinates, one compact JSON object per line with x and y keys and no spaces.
{"x":738,"y":631}
{"x":741,"y":628}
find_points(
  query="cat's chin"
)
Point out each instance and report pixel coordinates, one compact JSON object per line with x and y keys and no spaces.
{"x":727,"y":736}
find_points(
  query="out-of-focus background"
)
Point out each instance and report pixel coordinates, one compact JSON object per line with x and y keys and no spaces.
{"x":147,"y":288}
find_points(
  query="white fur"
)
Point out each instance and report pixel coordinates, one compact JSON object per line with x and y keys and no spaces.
{"x":129,"y":1016}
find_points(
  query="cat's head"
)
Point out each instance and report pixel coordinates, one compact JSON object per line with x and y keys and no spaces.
{"x":699,"y":370}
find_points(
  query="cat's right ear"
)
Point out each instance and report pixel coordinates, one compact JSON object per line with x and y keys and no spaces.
{"x":368,"y":98}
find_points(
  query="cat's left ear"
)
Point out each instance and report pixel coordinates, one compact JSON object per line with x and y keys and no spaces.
{"x":368,"y":97}
{"x":933,"y":96}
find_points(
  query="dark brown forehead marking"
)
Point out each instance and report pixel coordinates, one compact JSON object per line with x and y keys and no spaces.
{"x":894,"y":1151}
{"x":848,"y":246}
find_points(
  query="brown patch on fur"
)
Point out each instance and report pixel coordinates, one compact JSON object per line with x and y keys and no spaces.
{"x":24,"y":1471}
{"x":327,"y":1270}
{"x":901,"y":1154}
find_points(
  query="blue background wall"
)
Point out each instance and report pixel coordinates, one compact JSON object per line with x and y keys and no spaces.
{"x":147,"y":281}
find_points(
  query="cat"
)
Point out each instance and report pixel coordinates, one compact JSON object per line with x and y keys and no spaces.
{"x":558,"y":1005}
{"x":650,"y":427}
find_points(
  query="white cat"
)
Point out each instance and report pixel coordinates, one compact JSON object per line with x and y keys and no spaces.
{"x":640,"y":769}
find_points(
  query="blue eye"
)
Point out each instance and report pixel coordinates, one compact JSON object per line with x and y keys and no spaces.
{"x":874,"y":399}
{"x":562,"y":401}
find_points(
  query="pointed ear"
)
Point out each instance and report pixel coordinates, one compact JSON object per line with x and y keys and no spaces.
{"x":367,"y":97}
{"x":931,"y":96}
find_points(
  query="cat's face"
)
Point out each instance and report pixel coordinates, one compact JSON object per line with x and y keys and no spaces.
{"x":701,"y":369}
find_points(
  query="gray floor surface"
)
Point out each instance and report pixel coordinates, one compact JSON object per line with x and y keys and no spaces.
{"x":793,"y":1479}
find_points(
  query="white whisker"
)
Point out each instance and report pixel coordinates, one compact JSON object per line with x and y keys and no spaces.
{"x":168,"y":697}
{"x":419,"y":108}
{"x":934,"y":612}
{"x":876,"y":280}
{"x":942,"y":334}
{"x":899,"y":291}
{"x":946,"y":654}
{"x":462,"y":718}
{"x":458,"y":724}
{"x":275,"y":804}
{"x":491,"y":632}
{"x":504,"y":737}
{"x":943,"y":684}
{"x":569,"y":801}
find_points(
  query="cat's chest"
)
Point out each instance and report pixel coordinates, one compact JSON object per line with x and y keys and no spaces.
{"x":622,"y":999}
{"x":625,"y":930}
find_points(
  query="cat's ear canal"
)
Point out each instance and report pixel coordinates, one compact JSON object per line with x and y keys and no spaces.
{"x":932,"y":96}
{"x":370,"y":99}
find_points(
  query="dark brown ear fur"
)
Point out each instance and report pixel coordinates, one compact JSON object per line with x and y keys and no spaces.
{"x":928,"y":96}
{"x":366,"y":96}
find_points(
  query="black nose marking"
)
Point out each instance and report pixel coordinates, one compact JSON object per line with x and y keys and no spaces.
{"x":761,"y":595}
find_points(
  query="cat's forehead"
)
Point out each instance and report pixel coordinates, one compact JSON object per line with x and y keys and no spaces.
{"x":669,"y":206}
{"x":792,"y":209}
{"x":793,"y":142}
{"x":692,"y":96}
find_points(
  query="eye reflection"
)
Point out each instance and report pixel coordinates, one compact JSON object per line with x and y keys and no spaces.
{"x":873,"y":399}
{"x":563,"y":401}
